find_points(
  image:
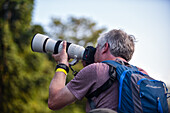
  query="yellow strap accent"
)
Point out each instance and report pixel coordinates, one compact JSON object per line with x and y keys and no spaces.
{"x":61,"y":70}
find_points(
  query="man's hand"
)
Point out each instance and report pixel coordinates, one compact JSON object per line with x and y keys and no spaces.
{"x":59,"y":94}
{"x":62,"y":57}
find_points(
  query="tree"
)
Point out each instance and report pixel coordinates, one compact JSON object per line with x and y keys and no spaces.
{"x":24,"y":76}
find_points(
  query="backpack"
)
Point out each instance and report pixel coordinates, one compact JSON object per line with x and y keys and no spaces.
{"x":138,"y":92}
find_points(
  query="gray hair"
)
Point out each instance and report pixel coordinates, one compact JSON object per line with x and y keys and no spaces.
{"x":121,"y":44}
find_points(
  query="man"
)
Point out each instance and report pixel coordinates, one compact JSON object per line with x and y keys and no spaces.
{"x":115,"y":45}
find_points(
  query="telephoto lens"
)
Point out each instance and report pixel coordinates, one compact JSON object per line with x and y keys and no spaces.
{"x":44,"y":44}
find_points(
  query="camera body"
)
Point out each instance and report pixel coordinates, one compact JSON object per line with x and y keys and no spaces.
{"x":44,"y":44}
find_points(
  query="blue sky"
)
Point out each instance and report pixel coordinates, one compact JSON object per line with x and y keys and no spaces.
{"x":147,"y":20}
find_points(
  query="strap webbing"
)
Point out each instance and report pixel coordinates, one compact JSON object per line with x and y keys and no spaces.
{"x":104,"y":87}
{"x":159,"y":106}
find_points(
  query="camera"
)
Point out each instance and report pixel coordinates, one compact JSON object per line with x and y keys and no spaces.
{"x":44,"y":44}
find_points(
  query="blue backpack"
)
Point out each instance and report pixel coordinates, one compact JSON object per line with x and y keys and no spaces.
{"x":137,"y":91}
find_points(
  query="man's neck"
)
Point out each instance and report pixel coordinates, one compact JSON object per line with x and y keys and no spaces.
{"x":116,"y":58}
{"x":120,"y":58}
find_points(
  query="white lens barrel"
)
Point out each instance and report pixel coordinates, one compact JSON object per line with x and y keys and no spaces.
{"x":74,"y":51}
{"x":38,"y":42}
{"x":42,"y":43}
{"x":50,"y":45}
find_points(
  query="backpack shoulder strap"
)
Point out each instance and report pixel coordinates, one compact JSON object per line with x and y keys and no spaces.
{"x":112,"y":63}
{"x":104,"y":87}
{"x":114,"y":67}
{"x":98,"y":91}
{"x":112,"y":72}
{"x":120,"y":68}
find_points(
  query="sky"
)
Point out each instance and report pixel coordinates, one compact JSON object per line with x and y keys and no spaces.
{"x":147,"y":20}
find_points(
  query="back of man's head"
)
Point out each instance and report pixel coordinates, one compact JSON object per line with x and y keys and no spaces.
{"x":121,"y":44}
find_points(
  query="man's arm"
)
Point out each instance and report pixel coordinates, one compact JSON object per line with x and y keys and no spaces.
{"x":59,"y":95}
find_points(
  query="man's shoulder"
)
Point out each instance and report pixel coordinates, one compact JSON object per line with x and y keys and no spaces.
{"x":93,"y":69}
{"x":95,"y":66}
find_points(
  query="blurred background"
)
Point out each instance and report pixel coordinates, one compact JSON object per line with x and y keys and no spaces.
{"x":25,"y":76}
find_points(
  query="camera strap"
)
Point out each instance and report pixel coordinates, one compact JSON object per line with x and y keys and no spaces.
{"x":72,"y":63}
{"x":74,"y":72}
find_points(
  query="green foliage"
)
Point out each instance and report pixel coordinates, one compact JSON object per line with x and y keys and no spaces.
{"x":24,"y":75}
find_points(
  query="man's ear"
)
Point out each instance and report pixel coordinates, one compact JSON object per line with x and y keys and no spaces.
{"x":105,"y":48}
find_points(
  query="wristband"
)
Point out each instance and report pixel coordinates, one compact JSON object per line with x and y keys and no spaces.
{"x":63,"y":66}
{"x":61,"y":70}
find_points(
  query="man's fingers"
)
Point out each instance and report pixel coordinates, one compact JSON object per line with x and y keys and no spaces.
{"x":55,"y":56}
{"x":64,"y":45}
{"x":62,"y":56}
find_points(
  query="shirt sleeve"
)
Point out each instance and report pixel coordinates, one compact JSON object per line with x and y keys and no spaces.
{"x":83,"y":81}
